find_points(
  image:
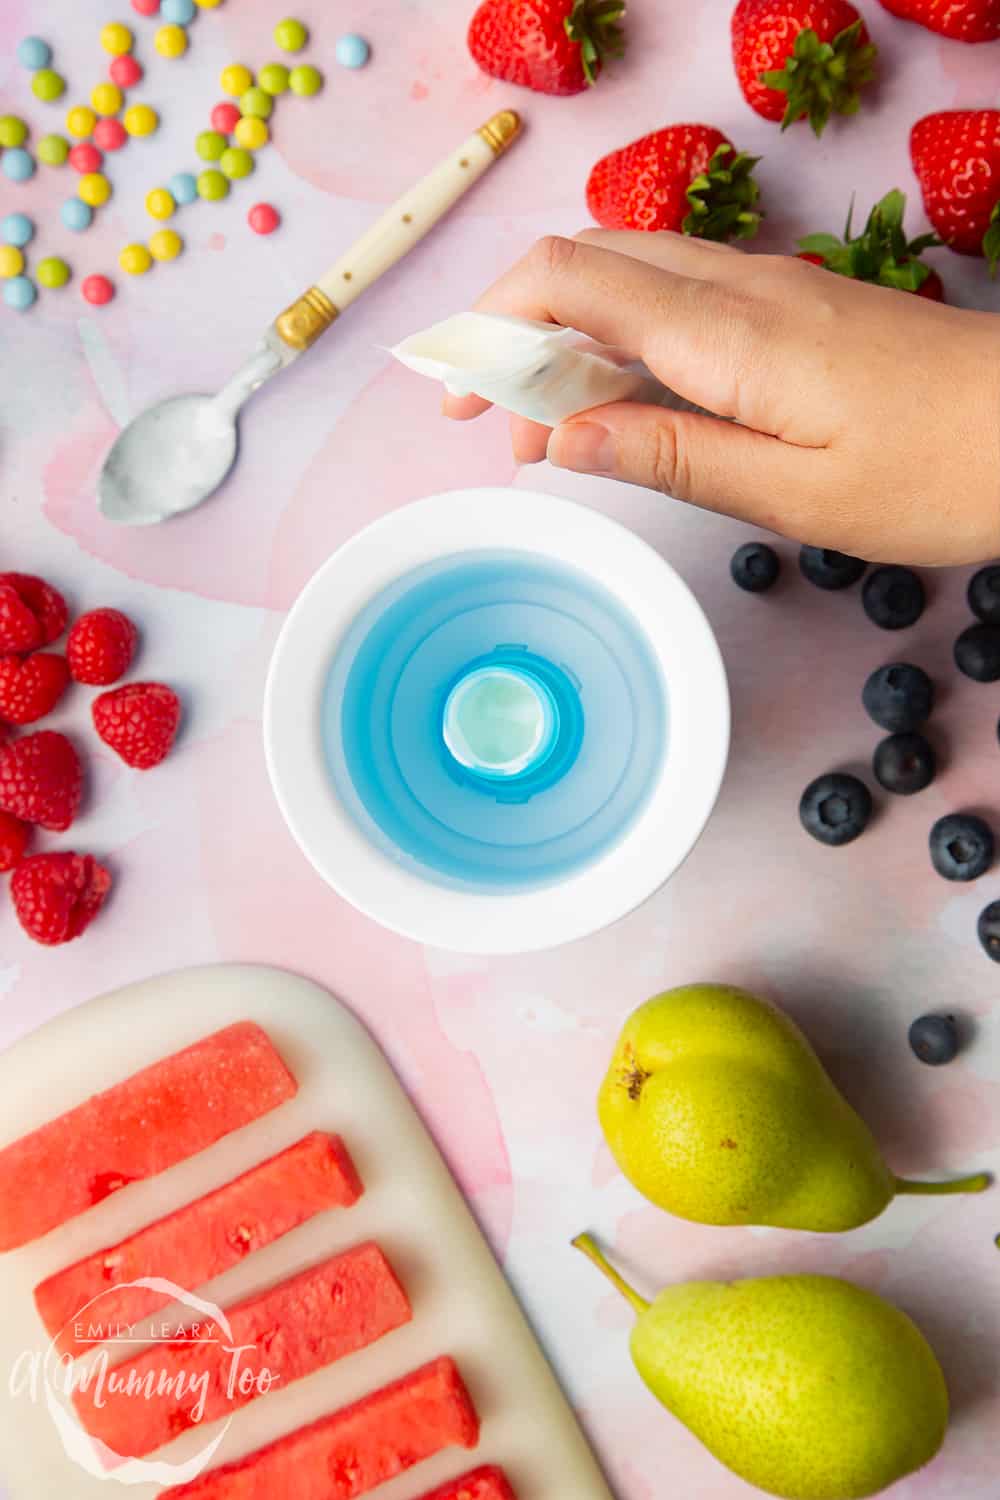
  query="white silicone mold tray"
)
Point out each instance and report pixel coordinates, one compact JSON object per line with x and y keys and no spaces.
{"x":462,"y":1306}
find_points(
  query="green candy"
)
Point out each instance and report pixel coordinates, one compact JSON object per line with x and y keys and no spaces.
{"x":305,"y":80}
{"x":52,"y":271}
{"x":273,"y":78}
{"x":52,"y":150}
{"x":291,"y":35}
{"x":236,"y":163}
{"x":212,"y":185}
{"x":48,"y":85}
{"x":210,"y":145}
{"x":256,"y":102}
{"x":13,"y":132}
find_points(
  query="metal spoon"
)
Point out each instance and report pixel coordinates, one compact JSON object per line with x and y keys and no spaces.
{"x":175,"y":454}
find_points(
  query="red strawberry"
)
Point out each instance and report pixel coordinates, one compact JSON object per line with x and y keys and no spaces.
{"x":41,"y":780}
{"x":801,"y":59}
{"x":46,"y":604}
{"x":552,"y":46}
{"x":139,"y":722}
{"x":101,"y":646}
{"x":684,"y":177}
{"x":14,"y":836}
{"x":956,"y":156}
{"x":19,"y":630}
{"x":31,"y":687}
{"x":962,"y":20}
{"x":57,"y":896}
{"x":881,"y":253}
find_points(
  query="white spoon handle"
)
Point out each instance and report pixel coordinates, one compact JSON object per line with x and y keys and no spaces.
{"x":397,"y":230}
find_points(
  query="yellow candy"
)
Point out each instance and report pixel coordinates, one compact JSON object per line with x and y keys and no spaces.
{"x":135,"y":259}
{"x":160,"y":204}
{"x":11,"y":261}
{"x":165,"y":244}
{"x":171,"y":41}
{"x":94,"y":188}
{"x":107,"y":99}
{"x":116,"y":38}
{"x":81,"y":121}
{"x":207,"y":4}
{"x":252,"y":133}
{"x":235,"y":80}
{"x":140,"y":119}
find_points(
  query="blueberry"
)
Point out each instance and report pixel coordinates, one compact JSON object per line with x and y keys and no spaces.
{"x":934,"y":1039}
{"x":961,"y":846}
{"x":830,"y":570}
{"x":984,"y":595}
{"x":893,"y":598}
{"x":898,"y":697}
{"x":988,"y":928}
{"x":977,"y":653}
{"x":755,"y":567}
{"x":904,"y":764}
{"x":836,"y":808}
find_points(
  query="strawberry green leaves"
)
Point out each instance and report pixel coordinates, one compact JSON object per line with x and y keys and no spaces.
{"x":722,"y":198}
{"x":881,"y":253}
{"x":595,"y":25}
{"x":822,"y":78}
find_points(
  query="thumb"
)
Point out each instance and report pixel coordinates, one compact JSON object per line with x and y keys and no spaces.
{"x":714,"y":464}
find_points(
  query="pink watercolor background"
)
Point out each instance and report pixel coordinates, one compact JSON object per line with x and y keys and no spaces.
{"x":504,"y":1057}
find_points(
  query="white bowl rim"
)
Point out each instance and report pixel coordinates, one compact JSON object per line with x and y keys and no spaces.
{"x":676,"y":810}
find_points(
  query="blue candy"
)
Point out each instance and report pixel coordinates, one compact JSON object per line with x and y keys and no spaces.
{"x":17,"y":229}
{"x":19,"y":293}
{"x":18,"y":164}
{"x":352,"y":51}
{"x":183,"y":186}
{"x":178,"y":12}
{"x":33,"y":53}
{"x":76,"y":214}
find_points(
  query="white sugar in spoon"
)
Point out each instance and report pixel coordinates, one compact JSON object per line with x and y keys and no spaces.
{"x":175,"y":454}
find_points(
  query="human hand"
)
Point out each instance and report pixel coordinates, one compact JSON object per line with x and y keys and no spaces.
{"x":866,"y":419}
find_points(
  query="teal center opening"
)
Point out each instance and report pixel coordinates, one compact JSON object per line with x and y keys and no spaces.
{"x":494,"y":720}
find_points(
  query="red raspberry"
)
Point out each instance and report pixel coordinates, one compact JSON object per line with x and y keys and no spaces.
{"x":19,"y":630}
{"x":14,"y":836}
{"x":56,"y":896}
{"x":101,"y":646}
{"x":139,"y":722}
{"x":30,"y":688}
{"x":46,"y":604}
{"x":41,"y":780}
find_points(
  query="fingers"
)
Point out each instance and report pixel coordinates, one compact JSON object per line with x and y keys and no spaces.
{"x":713,"y":464}
{"x":463,"y":408}
{"x":529,"y":440}
{"x":704,"y":260}
{"x":613,"y":298}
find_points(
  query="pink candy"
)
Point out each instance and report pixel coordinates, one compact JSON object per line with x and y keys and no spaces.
{"x":225,"y":117}
{"x":84,"y":157}
{"x":125,"y":71}
{"x":146,"y":7}
{"x":110,"y":134}
{"x":97,"y":290}
{"x":263,"y":219}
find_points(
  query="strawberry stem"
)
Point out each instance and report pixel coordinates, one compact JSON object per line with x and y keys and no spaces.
{"x":821,"y":78}
{"x":722,"y":198}
{"x":594,"y":24}
{"x":881,"y":253}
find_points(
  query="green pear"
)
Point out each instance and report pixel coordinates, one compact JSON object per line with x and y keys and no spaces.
{"x":716,"y":1108}
{"x":806,"y":1386}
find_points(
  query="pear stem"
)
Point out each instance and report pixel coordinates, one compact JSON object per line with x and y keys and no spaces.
{"x":974,"y":1184}
{"x":585,"y":1243}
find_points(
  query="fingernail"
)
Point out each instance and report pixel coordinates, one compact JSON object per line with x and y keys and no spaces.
{"x":584,"y":447}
